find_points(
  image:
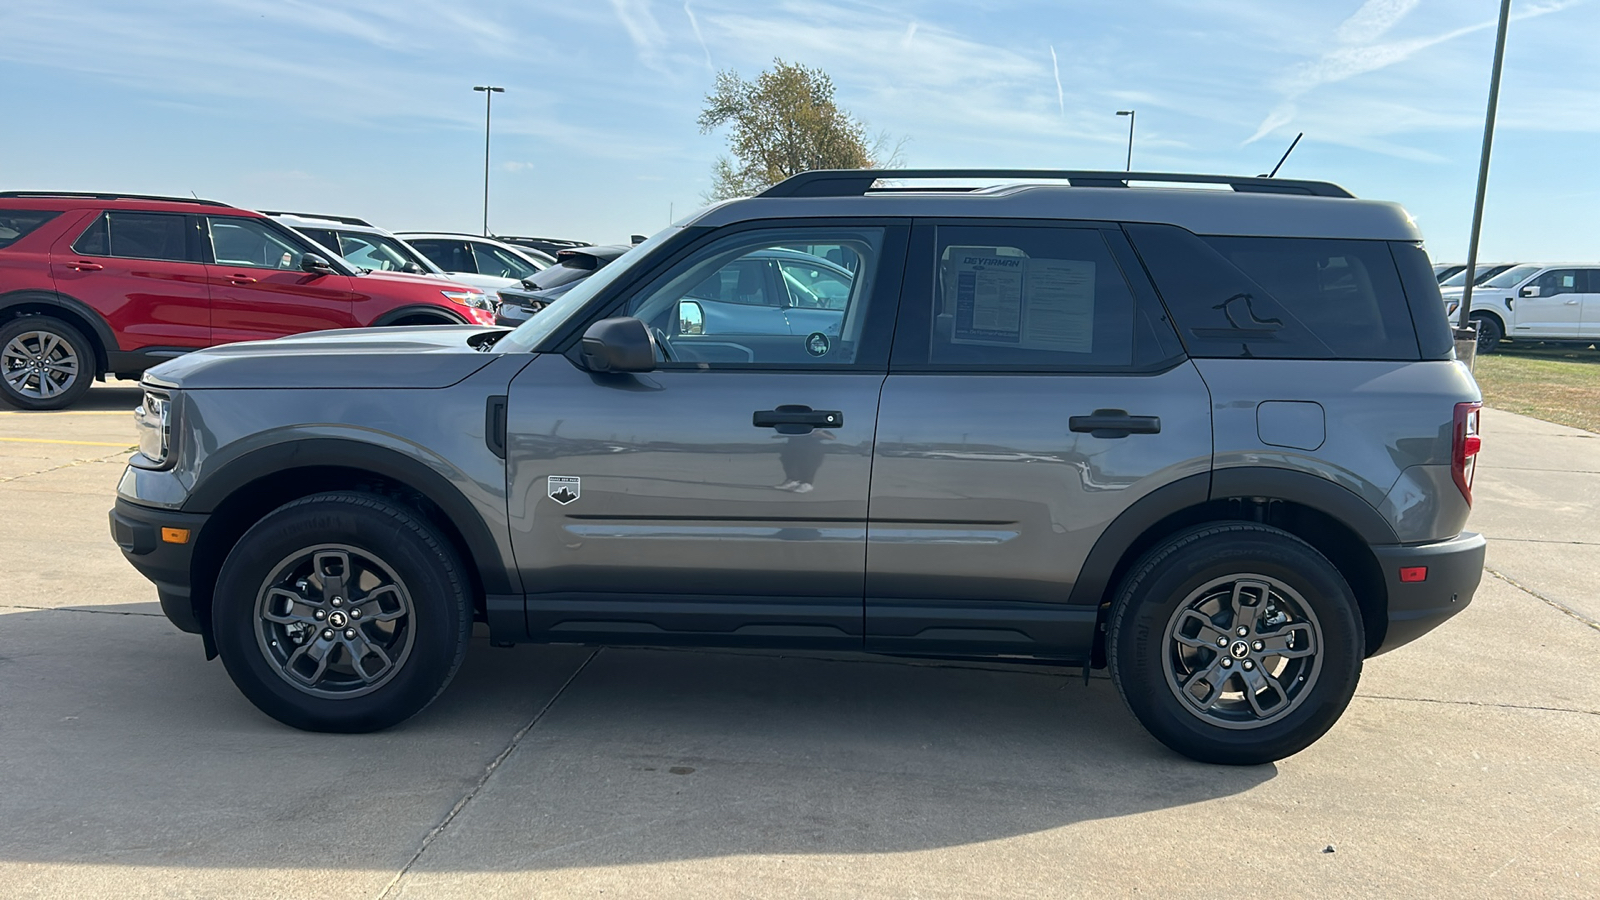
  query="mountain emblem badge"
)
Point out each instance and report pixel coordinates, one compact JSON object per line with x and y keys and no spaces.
{"x":564,"y":489}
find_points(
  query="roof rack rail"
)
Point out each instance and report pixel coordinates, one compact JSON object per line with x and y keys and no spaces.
{"x":858,"y":182}
{"x":348,"y":220}
{"x":92,"y":195}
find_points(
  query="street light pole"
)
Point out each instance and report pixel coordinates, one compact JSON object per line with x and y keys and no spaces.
{"x":1129,"y":114}
{"x":488,"y":99}
{"x":1463,"y":327}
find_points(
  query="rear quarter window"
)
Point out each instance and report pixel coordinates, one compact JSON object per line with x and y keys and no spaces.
{"x":1280,"y":298}
{"x":17,"y":223}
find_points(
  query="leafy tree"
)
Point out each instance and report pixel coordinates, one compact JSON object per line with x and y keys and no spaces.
{"x":782,"y":123}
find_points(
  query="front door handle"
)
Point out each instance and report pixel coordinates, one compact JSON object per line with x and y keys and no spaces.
{"x":1572,"y":303}
{"x":1114,"y":423}
{"x":85,"y":266}
{"x":796,"y":419}
{"x":241,"y":279}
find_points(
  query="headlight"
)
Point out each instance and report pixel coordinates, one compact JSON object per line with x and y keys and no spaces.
{"x":474,"y":299}
{"x":153,"y":419}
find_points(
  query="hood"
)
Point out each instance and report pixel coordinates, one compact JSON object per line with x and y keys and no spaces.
{"x":432,"y":282}
{"x":430,"y":356}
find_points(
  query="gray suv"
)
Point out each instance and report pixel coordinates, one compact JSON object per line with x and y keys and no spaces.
{"x":1214,"y":440}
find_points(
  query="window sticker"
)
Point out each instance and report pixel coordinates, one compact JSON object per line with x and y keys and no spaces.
{"x":1015,"y":301}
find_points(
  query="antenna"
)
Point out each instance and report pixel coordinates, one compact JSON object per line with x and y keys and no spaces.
{"x":1292,"y":145}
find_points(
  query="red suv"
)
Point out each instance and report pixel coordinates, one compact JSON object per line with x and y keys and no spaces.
{"x":110,"y":284}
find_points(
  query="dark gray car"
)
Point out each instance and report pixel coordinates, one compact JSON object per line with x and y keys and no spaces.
{"x":1215,"y":440}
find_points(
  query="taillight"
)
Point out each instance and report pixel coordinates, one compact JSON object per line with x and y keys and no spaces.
{"x":1464,"y":452}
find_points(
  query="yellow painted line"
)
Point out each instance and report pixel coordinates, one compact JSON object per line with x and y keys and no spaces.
{"x":77,"y":443}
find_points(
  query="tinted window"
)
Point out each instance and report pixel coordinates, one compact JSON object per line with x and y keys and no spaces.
{"x":812,"y":284}
{"x":1286,"y":298}
{"x":1434,"y":338}
{"x":1503,"y":277}
{"x":1037,"y":298}
{"x":720,"y":307}
{"x":238,"y":241}
{"x":451,"y":256}
{"x":323,"y":237}
{"x":1592,"y":283}
{"x":14,"y":223}
{"x":136,"y":235}
{"x":559,"y":274}
{"x":373,"y":252}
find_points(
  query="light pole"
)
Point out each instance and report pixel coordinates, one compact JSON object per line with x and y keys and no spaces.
{"x":488,"y":101}
{"x":1464,"y":331}
{"x":1129,"y":114}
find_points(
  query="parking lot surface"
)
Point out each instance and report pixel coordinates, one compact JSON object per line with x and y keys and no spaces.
{"x":1468,"y":764}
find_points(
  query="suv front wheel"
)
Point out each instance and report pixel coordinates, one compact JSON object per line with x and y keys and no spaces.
{"x":342,"y":612}
{"x":1235,"y":643}
{"x":44,"y":363}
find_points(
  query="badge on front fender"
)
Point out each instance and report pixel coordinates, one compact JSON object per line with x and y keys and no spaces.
{"x":563,"y":489}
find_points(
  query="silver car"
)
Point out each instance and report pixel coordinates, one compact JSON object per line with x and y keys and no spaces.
{"x":1216,"y":441}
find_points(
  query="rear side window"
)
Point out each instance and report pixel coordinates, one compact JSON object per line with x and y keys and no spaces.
{"x":1284,"y":298}
{"x":137,"y":235}
{"x":14,"y":223}
{"x":450,"y":256}
{"x":1434,"y":338}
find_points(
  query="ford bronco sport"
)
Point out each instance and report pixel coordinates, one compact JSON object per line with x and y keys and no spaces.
{"x":1215,"y":440}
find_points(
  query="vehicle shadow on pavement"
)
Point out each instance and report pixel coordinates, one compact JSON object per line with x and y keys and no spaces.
{"x":120,"y":397}
{"x":124,"y":747}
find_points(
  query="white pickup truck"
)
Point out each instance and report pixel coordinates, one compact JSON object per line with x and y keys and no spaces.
{"x":1537,"y":302}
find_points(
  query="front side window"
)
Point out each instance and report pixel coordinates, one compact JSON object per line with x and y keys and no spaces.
{"x":725,"y":306}
{"x":137,"y":235}
{"x":1557,"y":281}
{"x":237,"y":241}
{"x":14,"y":223}
{"x":501,"y":263}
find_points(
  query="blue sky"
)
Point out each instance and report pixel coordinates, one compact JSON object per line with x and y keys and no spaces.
{"x":365,"y":107}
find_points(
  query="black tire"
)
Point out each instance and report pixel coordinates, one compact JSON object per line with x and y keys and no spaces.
{"x":1490,"y":333}
{"x":1146,"y":654}
{"x":28,"y":343}
{"x":376,"y":541}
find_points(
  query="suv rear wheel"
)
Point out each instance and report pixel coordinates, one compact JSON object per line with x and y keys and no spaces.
{"x":1235,"y":643}
{"x":44,"y":363}
{"x":342,"y":612}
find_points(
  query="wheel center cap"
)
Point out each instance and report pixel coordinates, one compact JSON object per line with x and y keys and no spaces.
{"x":337,"y":619}
{"x":1239,"y":650}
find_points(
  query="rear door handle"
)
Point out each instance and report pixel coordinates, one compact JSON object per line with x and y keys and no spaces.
{"x":796,"y":419}
{"x":85,"y":266}
{"x":1114,"y":423}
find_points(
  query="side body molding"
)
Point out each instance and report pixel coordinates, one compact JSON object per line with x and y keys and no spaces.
{"x":481,"y":543}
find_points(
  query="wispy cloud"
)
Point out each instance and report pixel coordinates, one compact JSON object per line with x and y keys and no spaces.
{"x":695,"y":24}
{"x":1055,"y":69}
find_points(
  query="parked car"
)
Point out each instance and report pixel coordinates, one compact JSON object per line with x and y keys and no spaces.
{"x":548,"y":246}
{"x":1216,"y":440}
{"x":480,"y":255}
{"x":97,"y":285}
{"x":1555,"y":302}
{"x":1455,"y":283}
{"x":369,"y":247}
{"x":542,"y":288}
{"x":1447,"y":270}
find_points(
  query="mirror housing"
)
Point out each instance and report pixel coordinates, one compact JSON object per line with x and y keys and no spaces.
{"x":1531,"y":290}
{"x":691,"y":318}
{"x":315,"y":265}
{"x":412,"y":268}
{"x":622,"y":344}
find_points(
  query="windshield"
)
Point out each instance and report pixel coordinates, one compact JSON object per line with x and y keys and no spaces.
{"x":533,"y":332}
{"x":379,"y":253}
{"x":1460,"y":278}
{"x":1510,"y":277}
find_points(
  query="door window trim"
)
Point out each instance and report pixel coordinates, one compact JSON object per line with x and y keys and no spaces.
{"x":882,"y":306}
{"x":915,"y":325}
{"x":195,"y":246}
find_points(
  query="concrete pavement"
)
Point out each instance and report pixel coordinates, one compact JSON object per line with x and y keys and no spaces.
{"x":1469,"y":764}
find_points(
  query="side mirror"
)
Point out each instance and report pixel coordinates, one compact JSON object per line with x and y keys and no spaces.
{"x":618,"y":345}
{"x":315,"y":264}
{"x":1531,"y":290}
{"x":691,"y":318}
{"x":412,"y":268}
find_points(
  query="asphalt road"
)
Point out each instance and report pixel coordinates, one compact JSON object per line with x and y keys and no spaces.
{"x":1468,"y":765}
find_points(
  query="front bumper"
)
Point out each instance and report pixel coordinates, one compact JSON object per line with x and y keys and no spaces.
{"x":1454,"y":568}
{"x":138,"y":531}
